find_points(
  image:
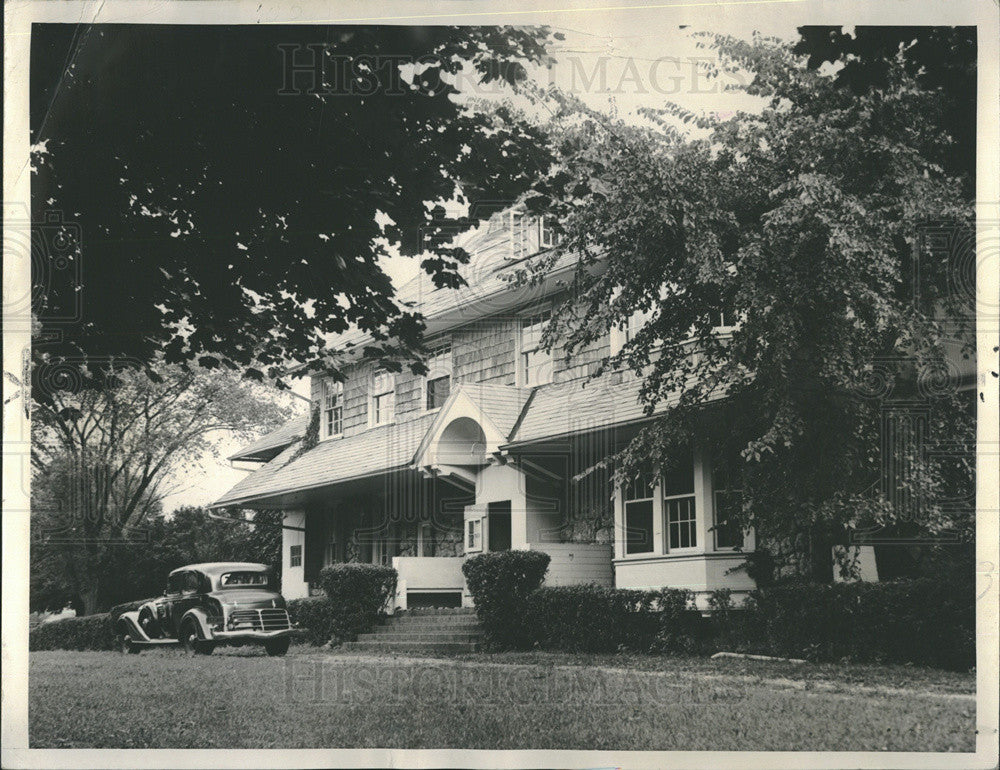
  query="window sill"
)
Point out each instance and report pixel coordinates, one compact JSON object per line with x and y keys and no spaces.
{"x":331,"y":438}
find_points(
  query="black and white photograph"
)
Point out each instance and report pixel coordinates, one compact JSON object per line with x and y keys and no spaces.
{"x":549,"y":385}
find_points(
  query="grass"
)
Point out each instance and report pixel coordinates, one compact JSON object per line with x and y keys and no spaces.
{"x":238,"y":698}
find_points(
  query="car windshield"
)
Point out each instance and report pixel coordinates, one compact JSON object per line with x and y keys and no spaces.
{"x":237,"y":579}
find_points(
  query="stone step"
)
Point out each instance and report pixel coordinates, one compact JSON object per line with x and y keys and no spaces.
{"x":411,"y":647}
{"x":440,"y":636}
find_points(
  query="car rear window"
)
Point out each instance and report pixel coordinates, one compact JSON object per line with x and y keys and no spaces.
{"x":236,"y":579}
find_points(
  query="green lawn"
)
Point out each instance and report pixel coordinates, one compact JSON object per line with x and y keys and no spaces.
{"x":238,"y":698}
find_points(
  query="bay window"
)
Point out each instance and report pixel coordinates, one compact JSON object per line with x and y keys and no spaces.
{"x":638,"y":508}
{"x":679,"y":512}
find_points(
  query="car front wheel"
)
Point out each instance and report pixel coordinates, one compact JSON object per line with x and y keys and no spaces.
{"x":192,"y":644}
{"x":126,"y":645}
{"x":276,"y":647}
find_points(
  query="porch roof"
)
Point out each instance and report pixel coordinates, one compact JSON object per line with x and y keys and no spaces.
{"x":580,"y":406}
{"x":265,"y":448}
{"x":379,"y":450}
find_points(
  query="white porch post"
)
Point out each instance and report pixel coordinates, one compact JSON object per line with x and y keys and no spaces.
{"x":293,"y":581}
{"x":704,"y":504}
{"x":619,"y":531}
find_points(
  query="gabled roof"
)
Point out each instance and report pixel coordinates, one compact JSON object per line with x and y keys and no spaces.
{"x":268,"y":447}
{"x":333,"y":461}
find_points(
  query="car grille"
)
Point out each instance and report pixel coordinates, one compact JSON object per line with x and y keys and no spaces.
{"x":261,"y":620}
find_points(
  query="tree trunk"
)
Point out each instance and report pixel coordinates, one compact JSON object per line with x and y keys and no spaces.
{"x":89,"y":596}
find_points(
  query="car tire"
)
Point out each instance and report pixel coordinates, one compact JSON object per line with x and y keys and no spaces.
{"x":126,"y":645}
{"x":192,"y":644}
{"x":276,"y":647}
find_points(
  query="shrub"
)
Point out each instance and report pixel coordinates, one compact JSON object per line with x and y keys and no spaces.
{"x":91,"y":632}
{"x":358,"y":594}
{"x":925,"y":621}
{"x":317,"y":617}
{"x":592,"y":618}
{"x":500,"y":584}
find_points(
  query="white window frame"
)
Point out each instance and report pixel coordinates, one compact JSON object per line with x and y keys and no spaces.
{"x":295,"y":552}
{"x":654,"y":487}
{"x":521,"y":367}
{"x":693,"y":524}
{"x":474,"y":530}
{"x":437,"y":369}
{"x":375,"y":396}
{"x":548,"y":238}
{"x":331,"y":389}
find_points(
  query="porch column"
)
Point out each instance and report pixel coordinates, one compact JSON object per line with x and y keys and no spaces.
{"x":293,"y":544}
{"x":704,"y":498}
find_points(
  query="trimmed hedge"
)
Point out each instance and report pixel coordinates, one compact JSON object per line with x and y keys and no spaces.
{"x":316,"y":616}
{"x":91,"y":632}
{"x":592,"y":618}
{"x":356,"y":595}
{"x":927,"y":621}
{"x":500,"y":584}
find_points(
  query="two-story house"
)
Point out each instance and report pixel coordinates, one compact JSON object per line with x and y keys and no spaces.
{"x":488,"y":452}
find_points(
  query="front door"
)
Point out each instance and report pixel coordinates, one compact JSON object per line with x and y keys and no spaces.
{"x":498,"y":521}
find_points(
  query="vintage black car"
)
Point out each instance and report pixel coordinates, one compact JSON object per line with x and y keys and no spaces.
{"x":209,"y":604}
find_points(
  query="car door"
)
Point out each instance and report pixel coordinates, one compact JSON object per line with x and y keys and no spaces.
{"x":165,"y":605}
{"x":185,"y":599}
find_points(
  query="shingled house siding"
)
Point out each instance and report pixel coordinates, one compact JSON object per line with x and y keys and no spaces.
{"x":484,"y":351}
{"x":409,"y":390}
{"x":582,"y":363}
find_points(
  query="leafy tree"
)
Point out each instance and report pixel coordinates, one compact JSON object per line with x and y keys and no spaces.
{"x":227,"y":202}
{"x":102,"y":457}
{"x":801,"y":225}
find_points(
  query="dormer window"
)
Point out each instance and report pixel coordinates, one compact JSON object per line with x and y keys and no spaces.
{"x":529,"y":235}
{"x":547,"y":235}
{"x":382,"y":402}
{"x":332,"y":416}
{"x":437,"y":386}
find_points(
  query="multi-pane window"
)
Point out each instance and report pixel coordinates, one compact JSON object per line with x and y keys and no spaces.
{"x":536,"y":362}
{"x":438,"y":383}
{"x":547,"y":235}
{"x":638,"y":502}
{"x":295,"y":556}
{"x":474,"y":535}
{"x":636,"y":321}
{"x":728,"y":500}
{"x":520,"y":235}
{"x":678,"y":504}
{"x":333,"y":408}
{"x":383,"y":398}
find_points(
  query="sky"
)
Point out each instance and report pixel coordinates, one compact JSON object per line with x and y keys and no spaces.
{"x":615,"y":62}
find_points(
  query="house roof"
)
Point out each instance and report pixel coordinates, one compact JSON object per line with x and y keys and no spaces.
{"x":333,"y":461}
{"x":580,"y":406}
{"x":265,"y":448}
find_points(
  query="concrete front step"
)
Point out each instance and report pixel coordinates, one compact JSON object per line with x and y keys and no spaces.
{"x":423,"y":626}
{"x":436,"y":611}
{"x":437,"y":636}
{"x":412,"y":647}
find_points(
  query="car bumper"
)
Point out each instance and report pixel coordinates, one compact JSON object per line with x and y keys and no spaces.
{"x":248,"y":634}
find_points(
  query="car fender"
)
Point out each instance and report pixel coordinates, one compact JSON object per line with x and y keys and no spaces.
{"x":128,"y":624}
{"x":202,"y":623}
